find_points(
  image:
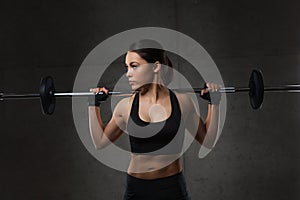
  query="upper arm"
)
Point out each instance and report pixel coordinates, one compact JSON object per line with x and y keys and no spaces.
{"x":120,"y":113}
{"x":117,"y":125}
{"x":193,"y":122}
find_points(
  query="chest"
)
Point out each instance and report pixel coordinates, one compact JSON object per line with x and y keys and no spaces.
{"x":154,"y":112}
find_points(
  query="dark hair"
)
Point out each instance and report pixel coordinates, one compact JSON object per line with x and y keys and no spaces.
{"x":152,"y":51}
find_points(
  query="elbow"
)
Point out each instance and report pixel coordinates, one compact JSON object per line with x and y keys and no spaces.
{"x":97,"y":140}
{"x":98,"y":147}
{"x":208,"y":145}
{"x":208,"y":140}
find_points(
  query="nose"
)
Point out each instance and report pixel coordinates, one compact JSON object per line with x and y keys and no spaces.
{"x":128,"y":73}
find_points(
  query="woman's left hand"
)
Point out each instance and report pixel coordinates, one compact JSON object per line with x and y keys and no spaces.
{"x":211,"y":93}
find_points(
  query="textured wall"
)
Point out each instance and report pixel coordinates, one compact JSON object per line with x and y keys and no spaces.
{"x":257,"y":156}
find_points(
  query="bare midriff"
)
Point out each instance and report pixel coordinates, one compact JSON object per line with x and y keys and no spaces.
{"x":154,"y":166}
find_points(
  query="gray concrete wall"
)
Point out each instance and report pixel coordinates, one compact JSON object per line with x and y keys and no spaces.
{"x":257,"y":156}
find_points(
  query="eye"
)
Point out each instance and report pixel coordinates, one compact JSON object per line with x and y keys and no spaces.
{"x":131,"y":65}
{"x":134,"y":65}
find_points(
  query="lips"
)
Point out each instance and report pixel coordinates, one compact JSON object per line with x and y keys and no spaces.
{"x":131,"y":82}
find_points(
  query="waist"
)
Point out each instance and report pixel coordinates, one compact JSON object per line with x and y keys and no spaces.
{"x":146,"y":167}
{"x":158,"y":179}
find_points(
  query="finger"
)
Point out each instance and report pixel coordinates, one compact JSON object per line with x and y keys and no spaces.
{"x":94,"y":90}
{"x":103,"y":89}
{"x":208,"y":85}
{"x":214,"y":87}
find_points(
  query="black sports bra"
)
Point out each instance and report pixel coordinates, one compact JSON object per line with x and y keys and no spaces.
{"x":156,"y":138}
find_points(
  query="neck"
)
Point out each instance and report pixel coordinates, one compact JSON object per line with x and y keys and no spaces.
{"x":153,"y":92}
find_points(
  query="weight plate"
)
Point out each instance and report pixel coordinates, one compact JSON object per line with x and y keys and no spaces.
{"x":256,"y":85}
{"x":47,"y":97}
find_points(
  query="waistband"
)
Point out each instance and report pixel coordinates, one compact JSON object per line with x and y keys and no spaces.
{"x":162,"y":179}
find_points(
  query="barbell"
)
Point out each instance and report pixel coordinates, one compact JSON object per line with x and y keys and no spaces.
{"x":48,"y":95}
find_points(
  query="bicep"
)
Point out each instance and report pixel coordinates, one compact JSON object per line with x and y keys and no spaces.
{"x":112,"y":130}
{"x":116,"y":126}
{"x":193,"y":122}
{"x":196,"y":127}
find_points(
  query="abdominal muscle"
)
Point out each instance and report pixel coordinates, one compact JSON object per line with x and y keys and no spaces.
{"x":154,"y":166}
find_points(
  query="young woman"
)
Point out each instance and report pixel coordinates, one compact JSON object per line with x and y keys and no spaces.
{"x":155,"y":118}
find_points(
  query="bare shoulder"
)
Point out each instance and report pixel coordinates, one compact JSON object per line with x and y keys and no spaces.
{"x":123,"y":107}
{"x":185,"y":101}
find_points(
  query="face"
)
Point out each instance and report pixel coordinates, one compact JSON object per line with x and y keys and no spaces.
{"x":139,"y":71}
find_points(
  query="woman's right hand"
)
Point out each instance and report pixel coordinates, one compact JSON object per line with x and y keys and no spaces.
{"x":97,"y":98}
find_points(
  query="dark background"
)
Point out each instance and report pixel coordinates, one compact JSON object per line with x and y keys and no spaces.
{"x":257,"y":156}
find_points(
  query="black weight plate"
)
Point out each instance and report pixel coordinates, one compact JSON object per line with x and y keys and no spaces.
{"x":47,"y":97}
{"x":256,"y":85}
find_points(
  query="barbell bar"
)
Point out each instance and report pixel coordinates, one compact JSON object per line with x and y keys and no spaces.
{"x":48,"y":95}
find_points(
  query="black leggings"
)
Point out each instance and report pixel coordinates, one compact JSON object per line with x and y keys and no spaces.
{"x":167,"y":188}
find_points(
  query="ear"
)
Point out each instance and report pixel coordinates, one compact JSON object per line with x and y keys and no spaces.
{"x":157,"y":67}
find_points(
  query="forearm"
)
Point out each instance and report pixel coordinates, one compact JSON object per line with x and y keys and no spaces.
{"x":96,"y":126}
{"x":211,"y":125}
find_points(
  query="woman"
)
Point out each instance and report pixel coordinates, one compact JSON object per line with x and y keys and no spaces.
{"x":155,"y":118}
